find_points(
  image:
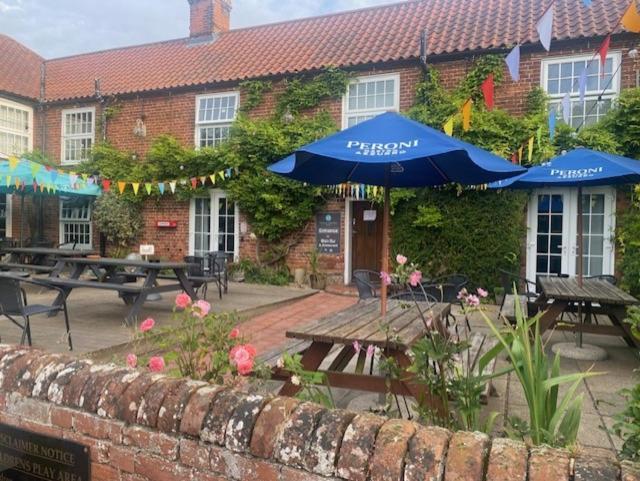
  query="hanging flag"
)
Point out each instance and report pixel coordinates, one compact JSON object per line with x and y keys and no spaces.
{"x":147,"y":187}
{"x":203,"y":179}
{"x":91,"y":180}
{"x":514,"y":158}
{"x":161,"y":187}
{"x":34,"y":186}
{"x":35,"y":168}
{"x":13,"y":162}
{"x":106,"y":185}
{"x":466,"y":115}
{"x":513,"y":63}
{"x":448,"y":127}
{"x":194,"y":182}
{"x":539,"y":135}
{"x":136,"y":187}
{"x":54,"y":175}
{"x":8,"y":180}
{"x":213,"y":178}
{"x":566,"y":108}
{"x":603,"y":51}
{"x":545,"y":28}
{"x":582,"y":82}
{"x":172,"y":186}
{"x":228,"y":173}
{"x":520,"y":153}
{"x":72,"y":179}
{"x":587,"y":3}
{"x":631,"y":18}
{"x":552,"y":123}
{"x":221,"y":174}
{"x":488,"y":88}
{"x":530,"y":150}
{"x":85,"y":177}
{"x":122,"y":186}
{"x":362,"y":191}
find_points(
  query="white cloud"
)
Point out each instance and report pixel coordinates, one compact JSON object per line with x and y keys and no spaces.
{"x":7,"y":6}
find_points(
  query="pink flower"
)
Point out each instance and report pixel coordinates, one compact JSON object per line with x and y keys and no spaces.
{"x":235,"y":332}
{"x":415,"y":277}
{"x":462,"y":294}
{"x":241,"y":354}
{"x":183,"y":300}
{"x":357,"y":347}
{"x":386,"y":278}
{"x":473,"y":300}
{"x":156,"y":364}
{"x":147,"y":325}
{"x":245,"y":367}
{"x":482,"y":292}
{"x":401,"y":260}
{"x":132,"y":360}
{"x":371,"y":349}
{"x":201,"y":308}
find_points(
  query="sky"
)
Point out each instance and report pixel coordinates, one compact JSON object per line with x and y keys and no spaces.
{"x":56,"y":28}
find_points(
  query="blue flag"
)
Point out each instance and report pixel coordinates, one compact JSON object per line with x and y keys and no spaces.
{"x":552,"y":123}
{"x":587,"y":3}
{"x":161,"y":187}
{"x":513,"y":63}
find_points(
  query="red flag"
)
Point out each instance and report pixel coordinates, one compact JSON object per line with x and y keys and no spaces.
{"x":603,"y":50}
{"x":194,"y":182}
{"x":514,"y":158}
{"x":488,"y":87}
{"x":106,"y":185}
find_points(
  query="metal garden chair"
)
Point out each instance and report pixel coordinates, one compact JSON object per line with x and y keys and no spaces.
{"x":367,"y":282}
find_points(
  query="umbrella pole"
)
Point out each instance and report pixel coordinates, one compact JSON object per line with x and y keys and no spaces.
{"x":385,"y":248}
{"x":580,"y":268}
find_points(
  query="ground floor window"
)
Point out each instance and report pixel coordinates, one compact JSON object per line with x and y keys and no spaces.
{"x":552,"y":243}
{"x":75,"y":222}
{"x":214,"y":225}
{"x":5,"y":216}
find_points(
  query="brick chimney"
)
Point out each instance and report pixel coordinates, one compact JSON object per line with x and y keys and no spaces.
{"x":209,"y":17}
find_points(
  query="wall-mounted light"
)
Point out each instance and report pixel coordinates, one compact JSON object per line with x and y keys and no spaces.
{"x":140,"y":129}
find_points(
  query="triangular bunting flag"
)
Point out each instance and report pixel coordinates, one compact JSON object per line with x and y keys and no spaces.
{"x":213,"y":178}
{"x":513,"y":63}
{"x":85,"y":177}
{"x":91,"y":180}
{"x":221,"y":174}
{"x":466,"y":115}
{"x":603,"y":51}
{"x":520,"y":153}
{"x":566,"y":108}
{"x":147,"y":187}
{"x":552,"y":123}
{"x":72,"y":179}
{"x":194,"y":182}
{"x":34,"y":186}
{"x":631,"y":19}
{"x":122,"y":186}
{"x":8,"y":180}
{"x":530,"y":150}
{"x":539,"y":136}
{"x":172,"y":186}
{"x":13,"y":162}
{"x":203,"y":179}
{"x":161,"y":187}
{"x":106,"y":185}
{"x":545,"y":28}
{"x":17,"y":183}
{"x":136,"y":187}
{"x":487,"y":88}
{"x":587,"y":3}
{"x":228,"y":173}
{"x":35,"y":168}
{"x":448,"y":127}
{"x":41,"y":187}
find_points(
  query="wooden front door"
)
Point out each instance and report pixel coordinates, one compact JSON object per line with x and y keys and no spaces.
{"x":366,"y":236}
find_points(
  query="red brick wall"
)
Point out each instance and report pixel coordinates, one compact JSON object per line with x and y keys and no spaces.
{"x":141,"y":427}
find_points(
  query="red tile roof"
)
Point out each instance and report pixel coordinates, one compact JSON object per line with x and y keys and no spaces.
{"x":370,"y":35}
{"x":19,"y":69}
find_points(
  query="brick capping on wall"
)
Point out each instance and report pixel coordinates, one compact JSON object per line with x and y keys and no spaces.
{"x":142,"y":426}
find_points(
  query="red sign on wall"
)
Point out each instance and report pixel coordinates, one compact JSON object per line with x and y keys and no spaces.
{"x":164,"y":224}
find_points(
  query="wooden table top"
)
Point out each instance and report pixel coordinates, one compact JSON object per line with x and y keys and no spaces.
{"x":399,"y":329}
{"x":592,"y":290}
{"x":48,"y":251}
{"x":111,"y":262}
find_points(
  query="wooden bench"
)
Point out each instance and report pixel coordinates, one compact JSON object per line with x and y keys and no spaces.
{"x":508,"y":309}
{"x":78,"y":283}
{"x":7,"y":266}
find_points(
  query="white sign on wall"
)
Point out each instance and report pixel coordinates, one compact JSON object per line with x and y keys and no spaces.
{"x":147,"y":249}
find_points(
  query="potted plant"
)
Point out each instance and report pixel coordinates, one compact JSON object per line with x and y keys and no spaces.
{"x":317,"y":280}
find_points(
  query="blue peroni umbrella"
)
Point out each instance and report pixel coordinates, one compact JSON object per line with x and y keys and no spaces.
{"x":392,"y":151}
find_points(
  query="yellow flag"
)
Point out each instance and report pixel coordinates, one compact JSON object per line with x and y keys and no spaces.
{"x":213,"y":178}
{"x":631,"y":19}
{"x":221,"y":174}
{"x":530,"y":148}
{"x":172,"y":186}
{"x":466,"y":115}
{"x":13,"y":162}
{"x":147,"y":187}
{"x":520,"y":152}
{"x":203,"y":179}
{"x":448,"y":126}
{"x":136,"y":187}
{"x":122,"y":186}
{"x":17,"y":182}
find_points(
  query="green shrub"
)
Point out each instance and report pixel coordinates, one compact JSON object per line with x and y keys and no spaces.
{"x":257,"y":274}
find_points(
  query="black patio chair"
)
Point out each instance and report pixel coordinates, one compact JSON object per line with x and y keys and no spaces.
{"x":367,"y":282}
{"x":524,"y":287}
{"x":218,"y":265}
{"x":14,"y":304}
{"x":605,"y":277}
{"x":448,"y":287}
{"x":197,"y":272}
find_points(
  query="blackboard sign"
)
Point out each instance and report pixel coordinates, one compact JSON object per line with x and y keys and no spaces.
{"x":328,"y":232}
{"x":27,"y":456}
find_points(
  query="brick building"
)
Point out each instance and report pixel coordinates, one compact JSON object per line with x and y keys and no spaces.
{"x":189,"y":88}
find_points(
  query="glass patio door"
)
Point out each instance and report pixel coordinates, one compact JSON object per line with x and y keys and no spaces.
{"x":214,"y":225}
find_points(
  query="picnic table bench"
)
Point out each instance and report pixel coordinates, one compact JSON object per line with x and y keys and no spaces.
{"x":40,"y":259}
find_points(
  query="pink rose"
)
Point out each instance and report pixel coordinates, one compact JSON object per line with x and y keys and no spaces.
{"x":235,"y":332}
{"x":371,"y":349}
{"x":462,"y":294}
{"x":401,"y":260}
{"x":132,"y":360}
{"x":201,"y":308}
{"x":386,"y":278}
{"x":147,"y":325}
{"x":482,"y":292}
{"x":245,"y":367}
{"x":415,"y":277}
{"x":156,"y":364}
{"x":241,"y":354}
{"x":183,"y":300}
{"x":473,"y":300}
{"x":357,"y":346}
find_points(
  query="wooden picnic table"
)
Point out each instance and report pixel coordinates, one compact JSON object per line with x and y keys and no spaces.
{"x":132,"y":294}
{"x":35,"y":258}
{"x":394,"y":333}
{"x":595,"y":296}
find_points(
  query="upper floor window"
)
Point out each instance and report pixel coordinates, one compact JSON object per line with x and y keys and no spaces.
{"x":15,"y":128}
{"x":214,"y":115}
{"x":78,"y":134}
{"x":562,"y":75}
{"x":369,"y":96}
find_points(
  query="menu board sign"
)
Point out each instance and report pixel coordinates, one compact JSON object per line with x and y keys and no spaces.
{"x":328,"y":232}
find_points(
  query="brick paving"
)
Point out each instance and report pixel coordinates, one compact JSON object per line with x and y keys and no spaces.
{"x":268,"y":331}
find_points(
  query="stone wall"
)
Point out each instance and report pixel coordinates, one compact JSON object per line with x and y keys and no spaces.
{"x":140,"y":426}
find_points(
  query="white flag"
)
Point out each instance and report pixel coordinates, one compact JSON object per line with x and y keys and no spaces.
{"x":545,"y":28}
{"x":566,"y":108}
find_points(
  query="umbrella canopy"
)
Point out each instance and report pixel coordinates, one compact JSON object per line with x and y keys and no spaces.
{"x":579,"y":167}
{"x":393,"y":151}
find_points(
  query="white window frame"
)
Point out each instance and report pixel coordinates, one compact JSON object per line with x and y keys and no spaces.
{"x":8,"y":216}
{"x":611,"y":93}
{"x":64,"y":136}
{"x":375,"y":111}
{"x":215,"y":123}
{"x":214,"y":196}
{"x":62,"y":221}
{"x":26,"y":108}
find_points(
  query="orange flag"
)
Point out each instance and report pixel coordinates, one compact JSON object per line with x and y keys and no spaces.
{"x":631,"y":19}
{"x":466,"y":115}
{"x":121,"y":186}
